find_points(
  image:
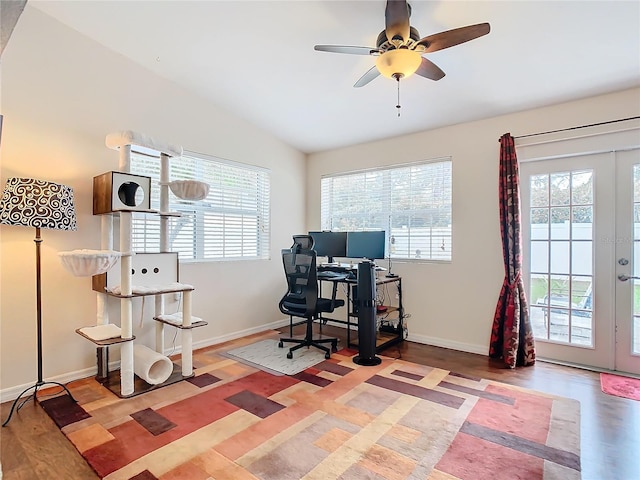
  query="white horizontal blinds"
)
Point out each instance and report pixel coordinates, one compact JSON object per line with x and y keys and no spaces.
{"x":421,"y":211}
{"x":145,"y":228}
{"x":412,"y":203}
{"x":237,"y":223}
{"x":357,"y":201}
{"x":231,"y":223}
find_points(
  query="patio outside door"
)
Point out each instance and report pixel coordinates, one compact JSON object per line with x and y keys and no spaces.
{"x":581,"y":242}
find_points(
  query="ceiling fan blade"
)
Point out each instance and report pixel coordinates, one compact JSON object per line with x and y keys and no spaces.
{"x":347,"y":49}
{"x":396,"y":16}
{"x":367,"y":77}
{"x":430,"y":70}
{"x":450,"y":38}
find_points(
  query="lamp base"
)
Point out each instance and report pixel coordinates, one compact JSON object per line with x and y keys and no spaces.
{"x":35,"y":388}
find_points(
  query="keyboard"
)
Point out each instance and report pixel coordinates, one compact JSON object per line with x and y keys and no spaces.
{"x":327,"y":274}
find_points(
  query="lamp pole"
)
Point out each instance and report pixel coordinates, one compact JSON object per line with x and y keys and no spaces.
{"x":39,"y":383}
{"x":38,"y":242}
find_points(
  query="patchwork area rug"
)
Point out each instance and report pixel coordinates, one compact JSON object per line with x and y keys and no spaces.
{"x":266,"y":355}
{"x":620,"y":386}
{"x":336,"y":420}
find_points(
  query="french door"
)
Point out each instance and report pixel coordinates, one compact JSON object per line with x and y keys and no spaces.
{"x":581,"y":246}
{"x":627,"y":259}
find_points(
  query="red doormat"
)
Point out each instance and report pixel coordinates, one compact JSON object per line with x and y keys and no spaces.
{"x":619,"y":386}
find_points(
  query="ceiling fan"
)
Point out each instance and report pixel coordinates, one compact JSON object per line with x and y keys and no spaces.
{"x":399,"y":48}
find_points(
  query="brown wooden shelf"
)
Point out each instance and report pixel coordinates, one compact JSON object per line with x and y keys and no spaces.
{"x":137,"y":210}
{"x":112,"y":382}
{"x":133,"y":295}
{"x":200,"y":323}
{"x":390,"y":309}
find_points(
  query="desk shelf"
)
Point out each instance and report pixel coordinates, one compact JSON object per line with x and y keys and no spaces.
{"x":383,"y":340}
{"x":394,"y":313}
{"x":390,"y":310}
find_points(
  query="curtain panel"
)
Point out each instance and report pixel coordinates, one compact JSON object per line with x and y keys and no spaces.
{"x":511,"y":336}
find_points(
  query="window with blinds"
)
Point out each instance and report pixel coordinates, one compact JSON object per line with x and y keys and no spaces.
{"x":232,"y":223}
{"x":412,"y":203}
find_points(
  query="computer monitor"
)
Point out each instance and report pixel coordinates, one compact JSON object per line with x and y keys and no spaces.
{"x":330,"y":244}
{"x":366,"y":244}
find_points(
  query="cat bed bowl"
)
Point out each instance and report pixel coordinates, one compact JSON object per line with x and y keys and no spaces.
{"x":84,"y":263}
{"x":189,"y":189}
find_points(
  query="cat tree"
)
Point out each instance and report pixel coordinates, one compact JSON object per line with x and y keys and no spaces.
{"x":126,"y":275}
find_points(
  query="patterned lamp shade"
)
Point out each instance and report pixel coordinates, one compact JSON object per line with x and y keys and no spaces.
{"x":38,"y":203}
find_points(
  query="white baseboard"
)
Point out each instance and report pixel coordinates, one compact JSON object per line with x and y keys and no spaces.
{"x":440,"y":342}
{"x":239,"y":334}
{"x":11,"y":393}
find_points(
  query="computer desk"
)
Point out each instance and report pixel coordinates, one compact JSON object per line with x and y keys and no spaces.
{"x":390,"y":327}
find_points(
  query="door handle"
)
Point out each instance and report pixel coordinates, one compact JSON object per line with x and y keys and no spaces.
{"x":623,"y":278}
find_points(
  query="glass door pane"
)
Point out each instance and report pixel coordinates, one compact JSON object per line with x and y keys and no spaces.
{"x":561,"y":256}
{"x":635,"y":321}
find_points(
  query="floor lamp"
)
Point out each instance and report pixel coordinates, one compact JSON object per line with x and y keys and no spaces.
{"x":40,"y":204}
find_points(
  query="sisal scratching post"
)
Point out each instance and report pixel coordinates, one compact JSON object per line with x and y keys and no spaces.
{"x":165,"y":173}
{"x":126,"y":308}
{"x":187,"y":336}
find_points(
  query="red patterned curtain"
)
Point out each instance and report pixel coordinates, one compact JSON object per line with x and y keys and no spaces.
{"x":511,"y":335}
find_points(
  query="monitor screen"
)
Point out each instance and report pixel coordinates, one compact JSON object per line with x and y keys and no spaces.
{"x":330,"y":244}
{"x":366,"y":244}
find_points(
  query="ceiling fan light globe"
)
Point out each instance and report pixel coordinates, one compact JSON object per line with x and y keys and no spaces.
{"x":402,"y":62}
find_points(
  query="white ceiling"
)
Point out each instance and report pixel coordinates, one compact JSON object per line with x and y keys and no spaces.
{"x":256,"y":59}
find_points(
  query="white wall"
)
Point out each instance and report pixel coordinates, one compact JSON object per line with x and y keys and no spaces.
{"x":61,"y":95}
{"x":452,"y":304}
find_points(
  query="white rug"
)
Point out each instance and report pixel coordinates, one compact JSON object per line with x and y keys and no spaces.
{"x":266,"y":355}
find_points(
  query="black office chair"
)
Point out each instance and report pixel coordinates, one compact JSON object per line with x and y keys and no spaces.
{"x":301,"y":299}
{"x":305,"y":242}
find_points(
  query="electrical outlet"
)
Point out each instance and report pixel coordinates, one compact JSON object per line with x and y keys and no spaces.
{"x":397,"y":296}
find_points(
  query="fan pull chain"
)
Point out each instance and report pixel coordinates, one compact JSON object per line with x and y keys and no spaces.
{"x":398,"y":105}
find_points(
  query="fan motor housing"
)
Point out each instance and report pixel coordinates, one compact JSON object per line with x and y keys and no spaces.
{"x":383,"y":43}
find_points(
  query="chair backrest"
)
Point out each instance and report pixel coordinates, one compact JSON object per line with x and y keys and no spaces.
{"x":303,"y":241}
{"x":302,"y":283}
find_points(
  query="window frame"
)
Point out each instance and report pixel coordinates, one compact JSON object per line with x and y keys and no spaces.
{"x":388,"y":211}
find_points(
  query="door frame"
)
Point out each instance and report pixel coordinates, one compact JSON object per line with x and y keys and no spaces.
{"x":597,"y":140}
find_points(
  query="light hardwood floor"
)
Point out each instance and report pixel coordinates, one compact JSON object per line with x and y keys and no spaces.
{"x":32,"y":447}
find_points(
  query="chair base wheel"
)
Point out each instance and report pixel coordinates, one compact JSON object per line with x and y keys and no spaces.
{"x":280,"y":344}
{"x":289,"y":355}
{"x":327,"y":355}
